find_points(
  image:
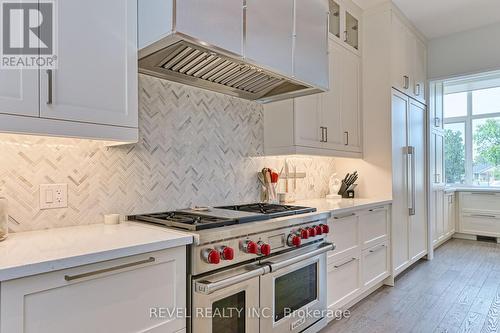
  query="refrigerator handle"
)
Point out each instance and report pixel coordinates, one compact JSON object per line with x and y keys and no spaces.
{"x":410,"y":178}
{"x":413,"y":193}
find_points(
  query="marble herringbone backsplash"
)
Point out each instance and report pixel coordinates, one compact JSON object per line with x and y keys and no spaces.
{"x":195,"y":148}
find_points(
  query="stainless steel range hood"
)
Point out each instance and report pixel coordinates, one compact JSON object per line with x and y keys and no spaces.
{"x":179,"y":46}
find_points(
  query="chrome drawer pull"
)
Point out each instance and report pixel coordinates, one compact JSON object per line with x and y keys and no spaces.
{"x":377,"y":209}
{"x":106,"y":270}
{"x":484,"y":215}
{"x":483,"y":193}
{"x":344,"y":216}
{"x":379,"y":248}
{"x":347,"y":262}
{"x":325,"y":247}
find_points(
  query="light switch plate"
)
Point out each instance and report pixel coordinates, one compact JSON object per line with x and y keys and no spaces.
{"x":53,"y":196}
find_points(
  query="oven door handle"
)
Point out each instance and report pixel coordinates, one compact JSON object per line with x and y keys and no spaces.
{"x":325,"y":247}
{"x":206,"y":287}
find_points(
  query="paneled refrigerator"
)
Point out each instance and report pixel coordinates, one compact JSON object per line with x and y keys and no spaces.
{"x":409,"y":209}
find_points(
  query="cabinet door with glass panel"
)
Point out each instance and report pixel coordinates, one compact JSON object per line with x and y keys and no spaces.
{"x":344,"y":22}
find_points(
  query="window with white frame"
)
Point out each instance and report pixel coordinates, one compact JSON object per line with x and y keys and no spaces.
{"x":472,"y":131}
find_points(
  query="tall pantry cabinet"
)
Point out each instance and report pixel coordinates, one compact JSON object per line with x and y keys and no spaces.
{"x":394,"y":79}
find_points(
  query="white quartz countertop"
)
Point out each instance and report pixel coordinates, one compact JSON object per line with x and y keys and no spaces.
{"x":35,"y":252}
{"x":340,"y":206}
{"x":473,"y":189}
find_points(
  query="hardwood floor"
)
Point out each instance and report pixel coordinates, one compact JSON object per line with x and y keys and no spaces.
{"x":458,"y":291}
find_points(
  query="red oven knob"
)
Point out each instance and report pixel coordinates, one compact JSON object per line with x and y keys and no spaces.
{"x":304,"y":234}
{"x":264,"y":249}
{"x":325,"y":228}
{"x":249,"y":247}
{"x":211,"y":256}
{"x":312,"y":232}
{"x":227,"y":253}
{"x":294,"y":240}
{"x":318,"y":229}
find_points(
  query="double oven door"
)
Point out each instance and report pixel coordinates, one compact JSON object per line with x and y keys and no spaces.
{"x":276,"y":295}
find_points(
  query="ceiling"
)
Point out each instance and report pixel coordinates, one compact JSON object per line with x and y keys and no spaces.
{"x":437,"y":18}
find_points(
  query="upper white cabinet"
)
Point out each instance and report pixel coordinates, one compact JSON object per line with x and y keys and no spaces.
{"x":409,"y":63}
{"x":260,"y":43}
{"x":436,"y":110}
{"x":19,"y":92}
{"x":94,"y":92}
{"x":311,"y":24}
{"x":97,"y":83}
{"x":344,"y":23}
{"x":351,"y":33}
{"x":323,"y":124}
{"x":218,"y":22}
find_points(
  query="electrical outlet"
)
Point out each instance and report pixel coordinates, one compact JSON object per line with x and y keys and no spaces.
{"x":53,"y":196}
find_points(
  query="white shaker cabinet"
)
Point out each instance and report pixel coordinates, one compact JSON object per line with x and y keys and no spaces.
{"x":94,"y":81}
{"x":408,"y":60}
{"x":93,"y":92}
{"x":19,"y":92}
{"x":361,"y":259}
{"x":345,"y":19}
{"x":110,"y":296}
{"x":322,"y":124}
{"x":350,"y":100}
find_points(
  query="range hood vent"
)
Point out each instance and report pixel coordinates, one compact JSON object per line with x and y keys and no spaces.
{"x":194,"y":65}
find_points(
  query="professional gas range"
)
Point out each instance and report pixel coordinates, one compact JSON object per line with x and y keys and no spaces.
{"x":265,"y":258}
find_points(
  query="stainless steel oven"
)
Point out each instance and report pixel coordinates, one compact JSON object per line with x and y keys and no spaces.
{"x":296,"y":290}
{"x":221,"y":302}
{"x":285,"y":293}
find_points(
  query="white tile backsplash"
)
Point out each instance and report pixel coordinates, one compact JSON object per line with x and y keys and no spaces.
{"x":195,"y":148}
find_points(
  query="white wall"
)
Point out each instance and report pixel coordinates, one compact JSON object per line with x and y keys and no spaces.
{"x":467,"y":52}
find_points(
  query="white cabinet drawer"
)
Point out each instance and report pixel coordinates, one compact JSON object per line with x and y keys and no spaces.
{"x":343,"y":282}
{"x":488,"y":201}
{"x":374,"y":227}
{"x":481,"y":224}
{"x":110,"y":296}
{"x":375,"y":264}
{"x":344,"y":232}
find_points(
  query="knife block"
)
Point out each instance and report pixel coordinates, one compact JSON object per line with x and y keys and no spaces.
{"x":348,"y":194}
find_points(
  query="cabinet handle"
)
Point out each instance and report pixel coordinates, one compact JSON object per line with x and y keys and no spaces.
{"x":437,"y":122}
{"x":378,"y":249}
{"x":417,"y":89}
{"x":346,"y":36}
{"x":484,"y":216}
{"x":345,"y":263}
{"x":344,"y":216}
{"x":326,"y":134}
{"x":106,"y":270}
{"x":49,"y":86}
{"x":406,"y":82}
{"x":377,"y":209}
{"x":437,"y":178}
{"x":346,"y":138}
{"x":322,"y":134}
{"x":482,"y":193}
